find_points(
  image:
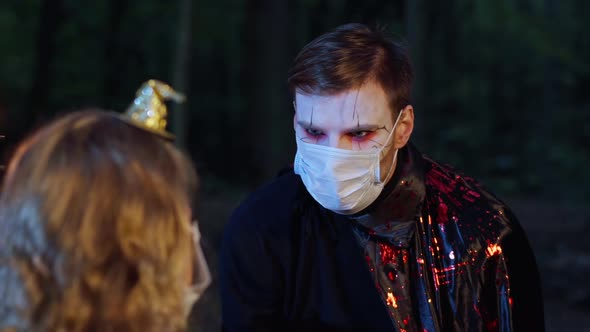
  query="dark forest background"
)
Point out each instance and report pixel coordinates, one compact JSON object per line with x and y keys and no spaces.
{"x":502,"y":93}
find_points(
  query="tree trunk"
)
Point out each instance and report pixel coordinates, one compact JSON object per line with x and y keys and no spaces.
{"x":264,"y":75}
{"x":550,"y":105}
{"x":50,"y":19}
{"x":180,"y":69}
{"x":414,"y":8}
{"x":112,"y":51}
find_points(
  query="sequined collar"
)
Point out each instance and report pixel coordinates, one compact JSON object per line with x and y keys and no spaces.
{"x":393,"y":215}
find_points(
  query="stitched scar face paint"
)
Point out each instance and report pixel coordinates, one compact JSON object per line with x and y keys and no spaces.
{"x":356,"y":119}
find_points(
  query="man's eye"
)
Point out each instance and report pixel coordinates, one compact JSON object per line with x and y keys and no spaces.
{"x":313,"y":132}
{"x":359,"y":134}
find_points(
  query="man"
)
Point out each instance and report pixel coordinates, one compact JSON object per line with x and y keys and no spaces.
{"x":366,"y":233}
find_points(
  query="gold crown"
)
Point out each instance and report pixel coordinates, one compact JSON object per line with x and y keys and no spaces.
{"x":148,"y":109}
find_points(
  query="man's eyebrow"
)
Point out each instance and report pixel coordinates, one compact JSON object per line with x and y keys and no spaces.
{"x":304,"y":124}
{"x":361,"y":127}
{"x":365,"y":127}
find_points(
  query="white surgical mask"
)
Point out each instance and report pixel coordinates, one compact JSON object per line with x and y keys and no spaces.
{"x":341,"y":180}
{"x":201,"y":274}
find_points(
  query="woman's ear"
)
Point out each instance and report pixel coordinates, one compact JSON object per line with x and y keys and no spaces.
{"x":404,"y":128}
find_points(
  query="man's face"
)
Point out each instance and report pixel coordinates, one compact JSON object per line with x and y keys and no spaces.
{"x":356,"y":119}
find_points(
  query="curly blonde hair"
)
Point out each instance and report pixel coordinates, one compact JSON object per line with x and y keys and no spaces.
{"x":95,"y":229}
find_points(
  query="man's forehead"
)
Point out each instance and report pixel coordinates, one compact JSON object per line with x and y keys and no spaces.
{"x":369,"y":105}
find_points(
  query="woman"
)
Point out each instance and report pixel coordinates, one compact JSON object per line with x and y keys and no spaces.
{"x":95,"y":230}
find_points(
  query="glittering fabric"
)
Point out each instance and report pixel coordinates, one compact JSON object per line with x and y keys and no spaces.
{"x":434,"y":243}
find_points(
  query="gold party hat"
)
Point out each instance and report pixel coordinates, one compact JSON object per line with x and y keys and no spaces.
{"x":148,"y":110}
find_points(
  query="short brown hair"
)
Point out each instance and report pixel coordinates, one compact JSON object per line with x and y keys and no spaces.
{"x":350,"y":56}
{"x":95,"y":229}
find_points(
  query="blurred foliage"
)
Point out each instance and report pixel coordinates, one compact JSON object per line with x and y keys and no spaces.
{"x":501,"y":90}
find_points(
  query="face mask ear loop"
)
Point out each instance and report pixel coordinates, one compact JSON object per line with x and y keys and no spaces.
{"x":378,"y":168}
{"x":392,"y":163}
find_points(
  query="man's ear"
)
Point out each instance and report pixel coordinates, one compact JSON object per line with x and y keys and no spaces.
{"x":404,"y":128}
